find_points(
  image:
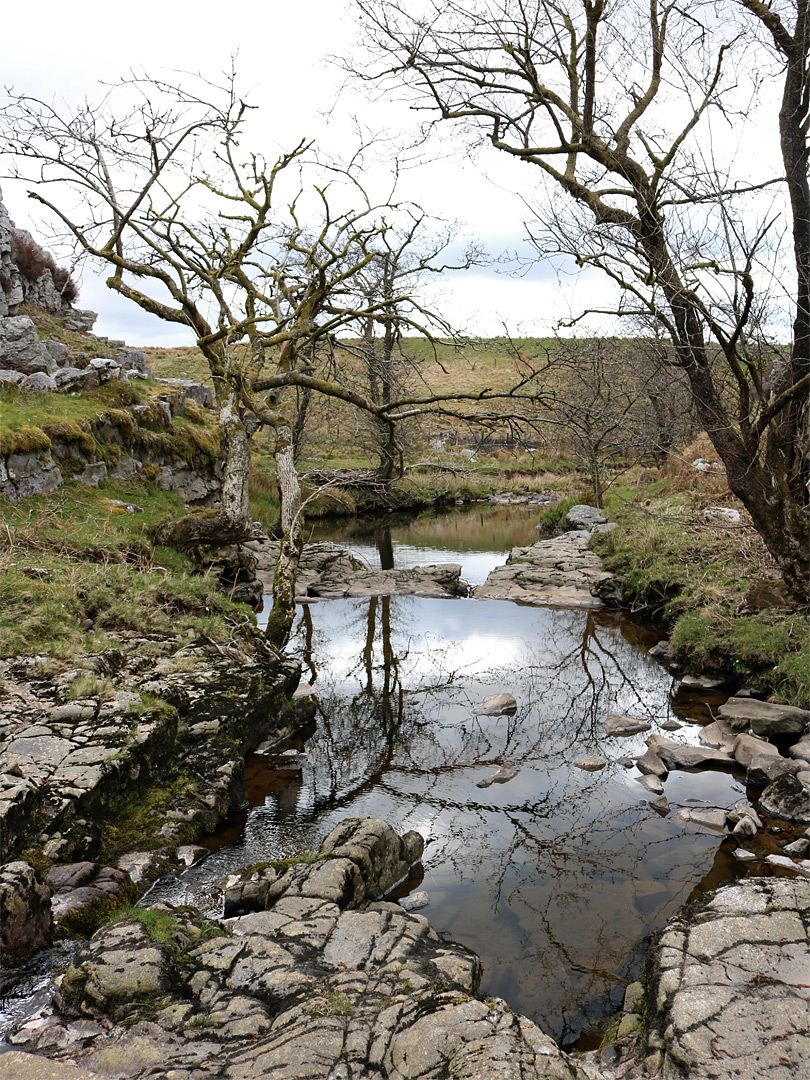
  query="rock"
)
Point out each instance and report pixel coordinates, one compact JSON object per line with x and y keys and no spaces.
{"x":71,"y":875}
{"x":13,"y":377}
{"x":681,"y":756}
{"x":625,"y":725}
{"x":415,"y":901}
{"x":191,"y":854}
{"x":765,"y":717}
{"x":784,"y":863}
{"x":715,"y":820}
{"x":650,"y":763}
{"x":139,"y":864}
{"x":25,"y":911}
{"x":788,"y":797}
{"x":741,"y":810}
{"x":703,"y":682}
{"x":584,"y":517}
{"x":662,"y":651}
{"x":764,"y":595}
{"x":15,"y":1065}
{"x":39,"y":382}
{"x":382,"y":856}
{"x":728,"y":996}
{"x":660,"y":805}
{"x":719,"y":735}
{"x":747,"y":748}
{"x":799,"y":847}
{"x":497,"y":705}
{"x":724,"y":515}
{"x":20,"y":347}
{"x":590,"y":763}
{"x":557,"y":572}
{"x":652,"y":783}
{"x":72,"y":380}
{"x":800,"y":749}
{"x":670,"y":725}
{"x":767,"y":768}
{"x":741,"y":855}
{"x":505,"y":773}
{"x":745,"y":827}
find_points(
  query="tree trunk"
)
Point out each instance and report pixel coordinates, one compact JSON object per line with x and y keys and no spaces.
{"x":282,"y":614}
{"x":235,"y":456}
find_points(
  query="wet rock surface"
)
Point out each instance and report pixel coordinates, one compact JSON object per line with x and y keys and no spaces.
{"x":557,"y":572}
{"x":329,"y":572}
{"x":729,"y":994}
{"x":321,"y":984}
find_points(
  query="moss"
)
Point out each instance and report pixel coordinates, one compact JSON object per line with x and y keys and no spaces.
{"x":195,"y":413}
{"x":84,"y":922}
{"x":25,"y":440}
{"x":69,"y":431}
{"x":304,"y":857}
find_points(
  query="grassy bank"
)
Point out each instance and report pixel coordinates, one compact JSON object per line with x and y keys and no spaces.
{"x":712,"y":582}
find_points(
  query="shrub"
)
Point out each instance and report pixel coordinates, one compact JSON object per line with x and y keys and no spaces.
{"x":32,"y":262}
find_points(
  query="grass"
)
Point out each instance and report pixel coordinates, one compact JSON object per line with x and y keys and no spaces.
{"x":699,"y":577}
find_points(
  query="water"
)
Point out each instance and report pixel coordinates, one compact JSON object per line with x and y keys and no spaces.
{"x":557,"y":878}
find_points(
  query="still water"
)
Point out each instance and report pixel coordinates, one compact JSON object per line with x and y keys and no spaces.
{"x":556,"y":878}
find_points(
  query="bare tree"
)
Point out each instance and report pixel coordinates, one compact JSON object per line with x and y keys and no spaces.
{"x":261,"y":259}
{"x":610,"y":105}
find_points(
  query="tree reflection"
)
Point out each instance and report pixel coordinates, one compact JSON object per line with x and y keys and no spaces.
{"x":555,"y":878}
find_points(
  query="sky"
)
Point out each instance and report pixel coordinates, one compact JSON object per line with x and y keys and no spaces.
{"x":283,"y":58}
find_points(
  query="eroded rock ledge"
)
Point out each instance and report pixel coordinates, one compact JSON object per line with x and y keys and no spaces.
{"x":321,"y":984}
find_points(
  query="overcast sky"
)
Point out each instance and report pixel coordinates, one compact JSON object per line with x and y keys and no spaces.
{"x":66,"y":50}
{"x":283,"y":49}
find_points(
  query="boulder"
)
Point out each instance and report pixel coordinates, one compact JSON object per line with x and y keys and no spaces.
{"x":748,"y":747}
{"x":765,"y":717}
{"x":38,"y":382}
{"x":719,"y":735}
{"x":25,"y":911}
{"x":20,"y":347}
{"x":625,"y":725}
{"x":767,"y":768}
{"x":788,"y":797}
{"x":382,"y":856}
{"x":801,"y":749}
{"x":586,"y":517}
{"x":650,"y":763}
{"x":677,"y":755}
{"x":497,"y":705}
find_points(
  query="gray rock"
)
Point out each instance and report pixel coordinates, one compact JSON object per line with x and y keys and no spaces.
{"x":504,"y":774}
{"x":20,"y":347}
{"x":719,"y":735}
{"x":788,"y":797}
{"x":650,"y":763}
{"x":58,"y":351}
{"x":557,"y":572}
{"x":415,"y":901}
{"x":681,"y":756}
{"x":767,"y":768}
{"x":743,"y":809}
{"x":74,"y":380}
{"x":625,"y":725}
{"x":801,"y":749}
{"x":38,"y":382}
{"x":590,"y":763}
{"x":728,"y":987}
{"x":497,"y":705}
{"x":25,"y":910}
{"x":13,"y":377}
{"x":715,"y":820}
{"x":784,"y":863}
{"x":765,"y":717}
{"x":662,"y":651}
{"x":747,"y":748}
{"x":741,"y":855}
{"x":584,"y":517}
{"x":652,"y":783}
{"x":745,"y":828}
{"x":799,"y":847}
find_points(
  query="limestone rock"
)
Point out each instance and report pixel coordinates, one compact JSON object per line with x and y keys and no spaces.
{"x":765,"y":717}
{"x":25,"y":910}
{"x":20,"y":347}
{"x":584,"y":517}
{"x":677,"y":755}
{"x":625,"y":725}
{"x":789,"y":797}
{"x":747,"y":748}
{"x":497,"y":705}
{"x":38,"y":382}
{"x":729,"y":996}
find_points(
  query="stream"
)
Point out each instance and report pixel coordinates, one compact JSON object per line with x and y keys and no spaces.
{"x":558,"y":878}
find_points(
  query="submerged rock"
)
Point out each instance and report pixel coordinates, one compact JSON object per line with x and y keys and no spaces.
{"x":497,"y":705}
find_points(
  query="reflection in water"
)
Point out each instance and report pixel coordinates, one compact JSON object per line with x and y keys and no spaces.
{"x":555,"y":878}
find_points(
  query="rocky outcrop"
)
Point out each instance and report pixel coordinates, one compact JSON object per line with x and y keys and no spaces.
{"x":25,"y":911}
{"x":321,"y":984}
{"x":728,"y":991}
{"x":64,"y":764}
{"x":327,"y":571}
{"x":560,"y":572}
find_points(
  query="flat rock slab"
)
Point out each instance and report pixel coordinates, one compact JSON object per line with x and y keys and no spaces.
{"x":677,"y":755}
{"x":15,"y":1065}
{"x":328,"y":571}
{"x":625,"y":725}
{"x":555,"y":573}
{"x":765,"y":717}
{"x":730,"y":998}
